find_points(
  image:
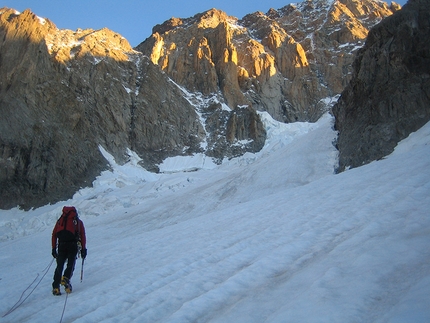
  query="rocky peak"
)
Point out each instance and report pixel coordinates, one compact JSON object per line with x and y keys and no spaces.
{"x":64,"y":45}
{"x":208,"y":19}
{"x":167,"y":25}
{"x":25,"y":25}
{"x":286,"y":62}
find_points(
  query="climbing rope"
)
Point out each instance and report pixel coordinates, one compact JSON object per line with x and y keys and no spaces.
{"x":21,"y":300}
{"x":64,"y":307}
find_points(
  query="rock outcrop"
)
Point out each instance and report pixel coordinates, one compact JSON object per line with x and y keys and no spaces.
{"x":389,"y":94}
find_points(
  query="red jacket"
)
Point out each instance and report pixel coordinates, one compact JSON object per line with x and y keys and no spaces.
{"x":69,"y":228}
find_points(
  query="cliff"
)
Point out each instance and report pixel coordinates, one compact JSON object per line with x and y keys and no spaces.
{"x":289,"y":61}
{"x":389,"y":94}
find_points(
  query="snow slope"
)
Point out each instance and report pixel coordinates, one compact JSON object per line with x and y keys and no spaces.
{"x":268,"y":237}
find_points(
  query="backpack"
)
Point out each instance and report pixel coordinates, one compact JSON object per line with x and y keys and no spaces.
{"x":67,"y":225}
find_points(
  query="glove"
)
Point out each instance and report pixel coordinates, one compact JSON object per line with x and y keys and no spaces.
{"x":83,"y":253}
{"x":54,"y":253}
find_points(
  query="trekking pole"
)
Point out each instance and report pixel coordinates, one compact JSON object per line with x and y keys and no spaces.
{"x":82,"y":269}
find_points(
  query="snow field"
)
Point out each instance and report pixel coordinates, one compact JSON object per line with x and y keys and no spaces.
{"x":270,"y":237}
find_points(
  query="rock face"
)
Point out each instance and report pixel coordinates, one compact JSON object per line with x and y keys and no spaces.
{"x":194,"y":86}
{"x":389,"y":94}
{"x":286,"y":61}
{"x":63,"y":94}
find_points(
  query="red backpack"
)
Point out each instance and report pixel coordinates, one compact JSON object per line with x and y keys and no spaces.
{"x":67,"y":225}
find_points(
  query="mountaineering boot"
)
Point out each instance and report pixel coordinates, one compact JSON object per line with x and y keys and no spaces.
{"x":56,"y":292}
{"x":66,"y":283}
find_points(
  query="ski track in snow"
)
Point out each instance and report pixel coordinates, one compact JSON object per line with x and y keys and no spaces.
{"x":268,"y":237}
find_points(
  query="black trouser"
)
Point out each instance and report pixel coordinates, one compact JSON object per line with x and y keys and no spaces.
{"x":66,"y":251}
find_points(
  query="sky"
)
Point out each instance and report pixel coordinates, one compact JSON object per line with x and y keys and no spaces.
{"x":271,"y":237}
{"x":134,"y":19}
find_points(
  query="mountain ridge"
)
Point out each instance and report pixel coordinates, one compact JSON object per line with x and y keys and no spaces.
{"x":285,"y":61}
{"x":65,"y":93}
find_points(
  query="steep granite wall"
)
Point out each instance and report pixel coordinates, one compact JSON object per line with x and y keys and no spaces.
{"x":286,"y":62}
{"x":389,"y":94}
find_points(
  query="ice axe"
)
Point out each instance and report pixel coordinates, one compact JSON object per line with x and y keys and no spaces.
{"x":82,"y":269}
